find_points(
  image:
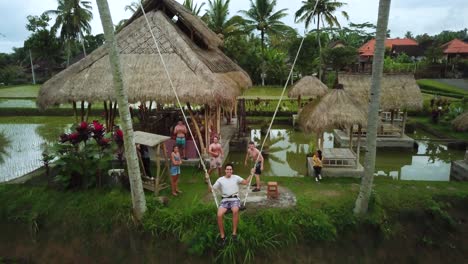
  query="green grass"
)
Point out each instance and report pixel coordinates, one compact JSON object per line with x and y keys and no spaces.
{"x":433,"y":86}
{"x":265,"y":91}
{"x":443,"y":127}
{"x":22,"y":91}
{"x":323,"y":212}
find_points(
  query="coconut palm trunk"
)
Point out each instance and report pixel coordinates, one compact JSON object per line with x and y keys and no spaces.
{"x":138,"y":196}
{"x":362,"y":201}
{"x":320,"y":48}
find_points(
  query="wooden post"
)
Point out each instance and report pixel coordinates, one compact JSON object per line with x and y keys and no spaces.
{"x":403,"y":126}
{"x":197,"y":130}
{"x":88,"y":110}
{"x":298,"y":103}
{"x":157,"y":155}
{"x":106,"y":116}
{"x":207,"y":127}
{"x":166,"y":159}
{"x":82,"y":111}
{"x":218,"y":120}
{"x":351,"y":130}
{"x":358,"y":150}
{"x":75,"y":112}
{"x":392,"y":116}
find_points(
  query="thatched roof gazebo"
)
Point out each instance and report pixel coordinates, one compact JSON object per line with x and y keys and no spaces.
{"x":398,"y":92}
{"x":200,"y":72}
{"x":460,"y":123}
{"x":308,"y":86}
{"x":335,"y":110}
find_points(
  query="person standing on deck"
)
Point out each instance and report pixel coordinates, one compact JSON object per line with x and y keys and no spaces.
{"x":257,"y":157}
{"x":317,"y":165}
{"x":180,"y":131}
{"x":228,"y":185}
{"x":216,"y":156}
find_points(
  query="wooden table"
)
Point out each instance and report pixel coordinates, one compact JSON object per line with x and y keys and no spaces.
{"x":339,"y":157}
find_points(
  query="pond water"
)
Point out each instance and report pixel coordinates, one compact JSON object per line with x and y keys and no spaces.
{"x":21,"y":103}
{"x":287,"y":150}
{"x":287,"y":147}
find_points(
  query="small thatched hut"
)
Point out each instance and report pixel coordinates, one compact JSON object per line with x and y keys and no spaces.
{"x":399,"y":92}
{"x":201,"y":73}
{"x":460,"y":123}
{"x":308,"y":86}
{"x":335,"y":110}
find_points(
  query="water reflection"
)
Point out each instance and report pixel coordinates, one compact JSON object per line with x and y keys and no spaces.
{"x":430,"y":161}
{"x":4,"y":144}
{"x":23,"y":152}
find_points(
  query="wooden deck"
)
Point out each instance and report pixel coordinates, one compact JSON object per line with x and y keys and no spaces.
{"x":339,"y":157}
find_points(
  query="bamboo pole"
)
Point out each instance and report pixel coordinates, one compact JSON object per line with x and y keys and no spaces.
{"x":218,"y":120}
{"x":197,"y":130}
{"x":207,"y":128}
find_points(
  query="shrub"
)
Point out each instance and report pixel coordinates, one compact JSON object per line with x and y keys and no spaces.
{"x":84,"y":155}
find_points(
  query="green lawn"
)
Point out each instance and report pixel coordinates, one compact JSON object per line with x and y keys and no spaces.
{"x":22,"y":91}
{"x":265,"y":91}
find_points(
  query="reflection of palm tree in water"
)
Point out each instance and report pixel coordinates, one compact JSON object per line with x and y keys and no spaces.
{"x":4,"y":144}
{"x":269,"y":150}
{"x":437,"y":151}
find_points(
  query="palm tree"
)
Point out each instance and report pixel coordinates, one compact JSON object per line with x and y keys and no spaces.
{"x":132,"y":7}
{"x":138,"y":196}
{"x":216,"y":18}
{"x":261,"y":17}
{"x":362,"y":201}
{"x":195,"y":9}
{"x":72,"y":18}
{"x":320,"y":10}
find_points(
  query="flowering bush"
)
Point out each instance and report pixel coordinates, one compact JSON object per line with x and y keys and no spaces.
{"x":85,"y":155}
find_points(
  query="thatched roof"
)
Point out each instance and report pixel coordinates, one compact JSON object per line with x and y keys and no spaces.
{"x":460,"y":123}
{"x":201,"y":73}
{"x":308,"y":86}
{"x":335,"y":110}
{"x":398,"y":91}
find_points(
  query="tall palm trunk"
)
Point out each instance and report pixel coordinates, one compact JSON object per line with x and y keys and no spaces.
{"x":83,"y":44}
{"x":262,"y":33}
{"x":138,"y":196}
{"x":362,"y":201}
{"x":320,"y":47}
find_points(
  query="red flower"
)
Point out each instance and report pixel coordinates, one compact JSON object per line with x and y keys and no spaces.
{"x":83,"y":125}
{"x":104,"y":142}
{"x":119,"y":133}
{"x":97,"y":125}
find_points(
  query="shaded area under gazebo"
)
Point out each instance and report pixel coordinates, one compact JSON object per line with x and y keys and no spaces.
{"x":399,"y":94}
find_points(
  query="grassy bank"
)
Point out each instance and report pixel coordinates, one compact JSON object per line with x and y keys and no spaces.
{"x":435,"y":87}
{"x":20,"y":91}
{"x":323,"y":215}
{"x":443,"y":127}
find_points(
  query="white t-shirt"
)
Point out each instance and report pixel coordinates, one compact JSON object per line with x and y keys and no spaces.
{"x":228,"y":186}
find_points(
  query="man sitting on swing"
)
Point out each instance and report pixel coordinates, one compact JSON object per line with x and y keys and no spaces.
{"x":228,"y":185}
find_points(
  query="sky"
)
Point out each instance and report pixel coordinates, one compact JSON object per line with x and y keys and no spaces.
{"x":417,"y":16}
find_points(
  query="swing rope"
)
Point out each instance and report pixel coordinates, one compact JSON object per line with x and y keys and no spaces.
{"x":179,"y":104}
{"x":276,"y":110}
